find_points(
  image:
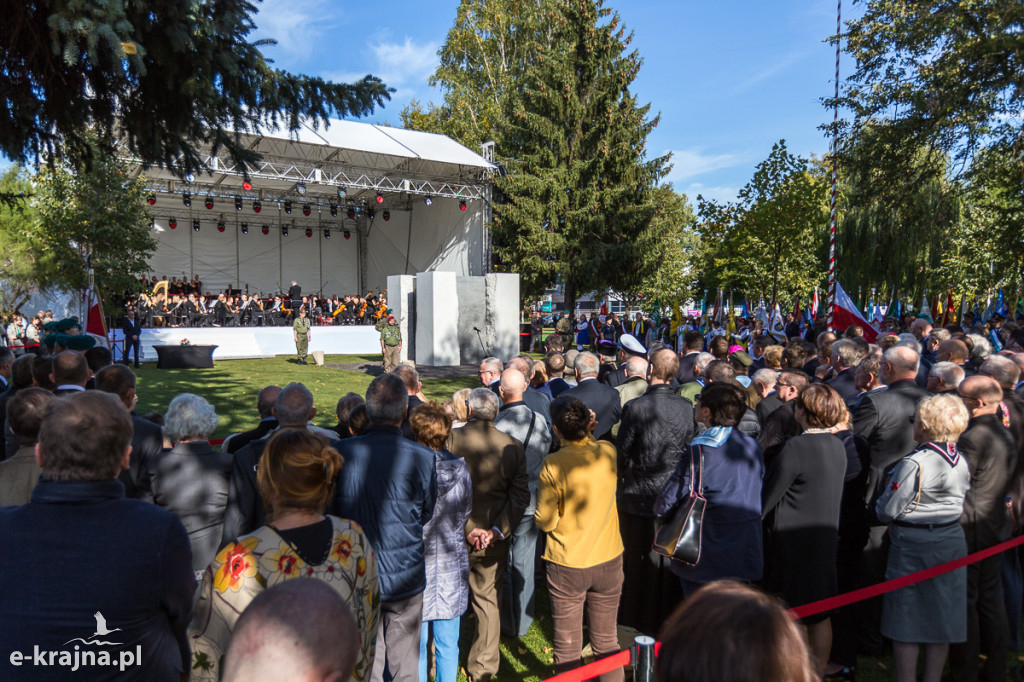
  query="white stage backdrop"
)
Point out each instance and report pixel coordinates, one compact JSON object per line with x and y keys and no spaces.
{"x":421,"y":239}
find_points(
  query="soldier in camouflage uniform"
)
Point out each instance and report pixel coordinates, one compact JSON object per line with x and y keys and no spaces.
{"x":301,"y":328}
{"x":390,"y":341}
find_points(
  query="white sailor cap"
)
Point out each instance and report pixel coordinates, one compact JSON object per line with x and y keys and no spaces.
{"x":629,"y":343}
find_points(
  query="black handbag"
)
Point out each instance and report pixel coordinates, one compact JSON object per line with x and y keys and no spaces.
{"x":679,"y":536}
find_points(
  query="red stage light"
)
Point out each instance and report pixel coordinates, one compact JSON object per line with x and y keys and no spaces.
{"x":247,"y":185}
{"x":172,"y":223}
{"x":257,"y":207}
{"x":462,"y":205}
{"x":209,"y":203}
{"x":348,"y":235}
{"x":151,"y":199}
{"x":266,"y":230}
{"x":380,"y":198}
{"x":305,"y":209}
{"x":309,"y":232}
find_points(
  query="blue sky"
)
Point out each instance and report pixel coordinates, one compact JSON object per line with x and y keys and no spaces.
{"x":730,"y":78}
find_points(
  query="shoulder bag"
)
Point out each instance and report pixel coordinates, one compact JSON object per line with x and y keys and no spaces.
{"x":679,"y":536}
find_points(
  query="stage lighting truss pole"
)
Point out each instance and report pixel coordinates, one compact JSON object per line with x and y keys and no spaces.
{"x":487,"y":151}
{"x":468,"y":189}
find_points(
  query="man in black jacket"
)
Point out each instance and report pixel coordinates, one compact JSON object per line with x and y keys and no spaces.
{"x":602,"y":399}
{"x":886,"y":420}
{"x":846,"y":355}
{"x":655,"y":433}
{"x":147,"y":437}
{"x":991,"y":453}
{"x":265,"y":408}
{"x":132,"y":334}
{"x":245,"y":511}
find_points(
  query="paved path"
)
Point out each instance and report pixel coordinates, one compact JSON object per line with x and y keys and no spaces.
{"x":375,"y":369}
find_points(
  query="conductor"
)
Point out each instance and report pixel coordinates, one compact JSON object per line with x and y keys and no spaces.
{"x":295,"y":295}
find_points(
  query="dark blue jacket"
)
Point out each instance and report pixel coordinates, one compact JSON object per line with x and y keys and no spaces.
{"x":78,"y":549}
{"x":731,"y":531}
{"x":388,"y":486}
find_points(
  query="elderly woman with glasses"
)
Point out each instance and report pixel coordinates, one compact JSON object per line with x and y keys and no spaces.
{"x":191,"y":479}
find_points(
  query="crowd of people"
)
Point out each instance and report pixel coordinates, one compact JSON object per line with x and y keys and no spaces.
{"x":828,"y":463}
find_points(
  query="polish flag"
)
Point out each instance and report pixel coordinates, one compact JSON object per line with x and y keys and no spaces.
{"x":95,"y":325}
{"x":846,"y":314}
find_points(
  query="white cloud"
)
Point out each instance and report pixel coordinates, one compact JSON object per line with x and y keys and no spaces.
{"x":298,"y":26}
{"x":689,"y":163}
{"x":770,"y":71}
{"x":720,"y":194}
{"x":405,"y":66}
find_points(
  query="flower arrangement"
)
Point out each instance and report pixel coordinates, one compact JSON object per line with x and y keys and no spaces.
{"x":185,"y":342}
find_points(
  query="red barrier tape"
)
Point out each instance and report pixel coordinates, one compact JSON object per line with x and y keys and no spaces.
{"x":621,"y":659}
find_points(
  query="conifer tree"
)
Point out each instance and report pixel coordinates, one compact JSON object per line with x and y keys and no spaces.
{"x":577,"y":201}
{"x":162,"y":76}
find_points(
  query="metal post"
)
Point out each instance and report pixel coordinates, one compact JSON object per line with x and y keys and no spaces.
{"x":642,"y":657}
{"x":835,"y":179}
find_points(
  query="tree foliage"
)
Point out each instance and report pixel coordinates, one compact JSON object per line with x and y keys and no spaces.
{"x":670,"y":243}
{"x":577,"y":199}
{"x":773,"y":238}
{"x":18,"y":259}
{"x":96,"y":215}
{"x":946,"y":74}
{"x":483,"y":60}
{"x":165,"y":77}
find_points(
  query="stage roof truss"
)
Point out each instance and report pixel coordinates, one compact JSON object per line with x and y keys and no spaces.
{"x":361,"y":168}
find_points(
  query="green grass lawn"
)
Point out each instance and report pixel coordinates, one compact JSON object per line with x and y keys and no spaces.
{"x":232,"y":385}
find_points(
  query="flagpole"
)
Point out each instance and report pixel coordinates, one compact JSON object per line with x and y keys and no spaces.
{"x":835,"y":181}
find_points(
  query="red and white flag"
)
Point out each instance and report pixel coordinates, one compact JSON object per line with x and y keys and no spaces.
{"x":846,"y":314}
{"x":95,"y":325}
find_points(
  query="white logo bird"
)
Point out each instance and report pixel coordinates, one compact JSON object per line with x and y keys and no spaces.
{"x":101,"y":626}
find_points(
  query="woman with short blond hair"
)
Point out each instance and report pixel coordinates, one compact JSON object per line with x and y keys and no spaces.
{"x":923,"y":500}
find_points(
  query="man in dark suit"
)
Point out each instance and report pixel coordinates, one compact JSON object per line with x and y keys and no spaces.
{"x":601,"y":399}
{"x":413,"y":386}
{"x":846,"y":355}
{"x":132,"y":334}
{"x":295,"y":295}
{"x":490,"y":374}
{"x":147,"y":437}
{"x":991,"y":452}
{"x":268,"y":422}
{"x":556,"y":385}
{"x":886,"y":420}
{"x":693,"y":344}
{"x":763,"y":382}
{"x":6,"y":361}
{"x":245,"y":511}
{"x":78,"y":510}
{"x":501,"y":492}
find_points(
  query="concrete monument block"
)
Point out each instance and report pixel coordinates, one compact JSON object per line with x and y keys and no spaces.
{"x":503,"y":313}
{"x":402,"y":301}
{"x":472,"y":319}
{"x":437,"y":319}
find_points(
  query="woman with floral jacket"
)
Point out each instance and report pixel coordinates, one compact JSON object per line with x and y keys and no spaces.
{"x":296,"y":479}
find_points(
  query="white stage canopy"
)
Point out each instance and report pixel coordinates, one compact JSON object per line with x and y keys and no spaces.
{"x":434,"y":192}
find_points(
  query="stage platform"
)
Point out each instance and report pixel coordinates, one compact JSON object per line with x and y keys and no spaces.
{"x":235,"y":343}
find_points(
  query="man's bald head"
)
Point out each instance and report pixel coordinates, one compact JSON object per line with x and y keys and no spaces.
{"x":521,"y":365}
{"x":637,"y":366}
{"x":952,"y":350}
{"x":899,"y":363}
{"x":297,"y":630}
{"x":981,"y":394}
{"x":513,"y":385}
{"x":266,"y":399}
{"x":920,"y":328}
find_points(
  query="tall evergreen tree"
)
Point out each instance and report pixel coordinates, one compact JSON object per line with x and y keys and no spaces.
{"x":578,"y":195}
{"x":163,"y":76}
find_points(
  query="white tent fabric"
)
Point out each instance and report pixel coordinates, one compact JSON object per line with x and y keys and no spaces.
{"x":402,"y":167}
